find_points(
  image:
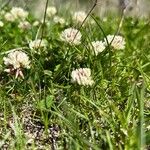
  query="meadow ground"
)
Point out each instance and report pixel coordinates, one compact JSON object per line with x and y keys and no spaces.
{"x":69,"y":85}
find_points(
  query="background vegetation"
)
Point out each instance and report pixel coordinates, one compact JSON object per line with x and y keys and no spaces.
{"x":45,"y":110}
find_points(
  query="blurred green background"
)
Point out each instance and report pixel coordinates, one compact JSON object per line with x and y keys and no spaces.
{"x":136,"y":8}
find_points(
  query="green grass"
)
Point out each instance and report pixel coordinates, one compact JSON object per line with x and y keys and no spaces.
{"x":111,"y":114}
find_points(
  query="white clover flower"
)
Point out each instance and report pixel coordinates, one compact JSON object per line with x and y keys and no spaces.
{"x":1,"y":24}
{"x":36,"y":23}
{"x":79,"y":17}
{"x":91,"y":21}
{"x":97,"y":46}
{"x":148,"y":127}
{"x":2,"y":12}
{"x":59,"y":20}
{"x":105,"y":19}
{"x":24,"y":25}
{"x":117,"y":42}
{"x":38,"y":43}
{"x":71,"y":35}
{"x":9,"y":17}
{"x":51,"y":11}
{"x":19,"y":13}
{"x":16,"y":61}
{"x":82,"y":76}
{"x":16,"y":13}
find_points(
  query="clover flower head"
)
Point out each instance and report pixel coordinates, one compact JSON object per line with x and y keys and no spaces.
{"x":1,"y":24}
{"x":79,"y":16}
{"x":16,"y":61}
{"x":2,"y":12}
{"x":16,"y":13}
{"x":97,"y":46}
{"x":92,"y":22}
{"x":36,"y":23}
{"x":117,"y":42}
{"x":71,"y":35}
{"x":59,"y":20}
{"x":9,"y":17}
{"x":24,"y":25}
{"x":51,"y":11}
{"x":19,"y":13}
{"x":38,"y":43}
{"x":82,"y":76}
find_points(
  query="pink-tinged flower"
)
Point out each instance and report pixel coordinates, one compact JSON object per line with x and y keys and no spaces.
{"x":16,"y":61}
{"x":71,"y":36}
{"x":9,"y":17}
{"x":117,"y":41}
{"x":24,"y":25}
{"x":82,"y":76}
{"x":97,"y":46}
